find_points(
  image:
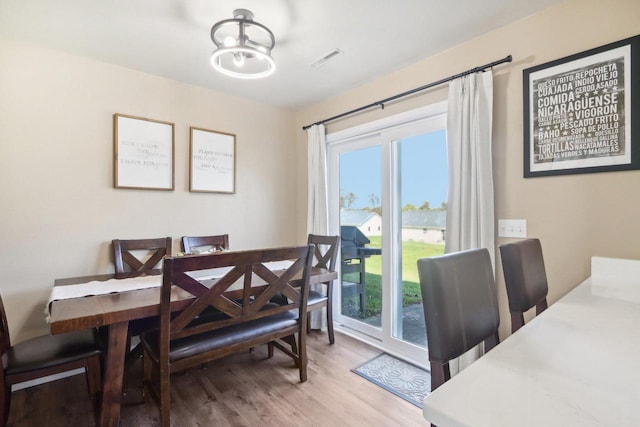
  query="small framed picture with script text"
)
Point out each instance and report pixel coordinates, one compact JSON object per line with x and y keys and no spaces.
{"x":213,"y":161}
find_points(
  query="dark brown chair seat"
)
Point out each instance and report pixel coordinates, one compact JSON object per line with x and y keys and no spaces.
{"x":316,"y":297}
{"x":47,"y":355}
{"x":460,"y":307}
{"x":49,"y":351}
{"x":225,"y":337}
{"x":525,"y":278}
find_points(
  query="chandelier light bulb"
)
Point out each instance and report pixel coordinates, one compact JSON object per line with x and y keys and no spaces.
{"x":238,"y":59}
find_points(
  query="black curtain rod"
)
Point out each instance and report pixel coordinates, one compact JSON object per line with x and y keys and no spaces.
{"x":412,"y":91}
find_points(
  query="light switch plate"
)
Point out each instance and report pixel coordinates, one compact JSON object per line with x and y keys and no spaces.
{"x":512,"y":228}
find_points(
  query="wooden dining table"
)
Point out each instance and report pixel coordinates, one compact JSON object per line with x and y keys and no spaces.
{"x":116,"y":310}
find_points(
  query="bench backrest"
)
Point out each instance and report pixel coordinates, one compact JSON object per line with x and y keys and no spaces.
{"x":247,"y":270}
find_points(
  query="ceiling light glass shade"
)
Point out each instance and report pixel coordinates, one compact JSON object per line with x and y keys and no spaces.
{"x":243,"y":47}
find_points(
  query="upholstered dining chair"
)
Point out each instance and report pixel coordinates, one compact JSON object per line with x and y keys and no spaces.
{"x":47,"y":355}
{"x":134,"y":258}
{"x":325,"y":256}
{"x":191,"y":244}
{"x":460,"y":307}
{"x":525,"y":278}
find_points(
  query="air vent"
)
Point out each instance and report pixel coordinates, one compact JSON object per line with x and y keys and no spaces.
{"x":325,"y":58}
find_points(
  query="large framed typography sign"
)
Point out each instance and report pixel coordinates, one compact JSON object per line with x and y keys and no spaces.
{"x":582,"y":112}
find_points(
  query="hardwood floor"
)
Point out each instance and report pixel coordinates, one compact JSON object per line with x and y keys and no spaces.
{"x":244,"y":389}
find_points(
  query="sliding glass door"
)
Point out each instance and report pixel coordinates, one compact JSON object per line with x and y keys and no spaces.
{"x":388,"y":191}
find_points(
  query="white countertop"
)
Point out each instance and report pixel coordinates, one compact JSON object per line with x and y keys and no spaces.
{"x":577,"y":364}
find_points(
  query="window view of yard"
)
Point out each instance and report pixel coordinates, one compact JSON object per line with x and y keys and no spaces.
{"x":420,"y":181}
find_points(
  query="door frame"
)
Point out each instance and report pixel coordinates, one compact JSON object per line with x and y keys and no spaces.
{"x":380,"y":132}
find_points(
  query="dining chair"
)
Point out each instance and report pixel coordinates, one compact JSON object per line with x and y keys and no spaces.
{"x":525,"y":278}
{"x":325,"y":256}
{"x":139,"y":257}
{"x":47,"y":355}
{"x":195,"y":245}
{"x":247,"y":319}
{"x":134,"y":258}
{"x":192,"y":244}
{"x":460,"y":307}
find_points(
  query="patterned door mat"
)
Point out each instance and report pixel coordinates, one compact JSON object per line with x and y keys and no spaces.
{"x":397,"y":376}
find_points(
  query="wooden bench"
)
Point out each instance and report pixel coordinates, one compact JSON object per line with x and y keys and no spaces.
{"x":246,"y":317}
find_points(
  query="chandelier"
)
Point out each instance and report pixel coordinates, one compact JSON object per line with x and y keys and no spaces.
{"x":243,"y":47}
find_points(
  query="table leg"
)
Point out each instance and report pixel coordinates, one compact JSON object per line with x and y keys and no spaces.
{"x":114,"y":371}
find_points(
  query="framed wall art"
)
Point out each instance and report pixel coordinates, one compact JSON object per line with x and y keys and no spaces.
{"x":212,"y":161}
{"x":582,"y":112}
{"x":143,"y":153}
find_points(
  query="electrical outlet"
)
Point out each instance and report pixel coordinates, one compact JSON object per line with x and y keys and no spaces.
{"x":512,"y":228}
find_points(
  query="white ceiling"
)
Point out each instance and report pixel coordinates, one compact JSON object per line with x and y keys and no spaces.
{"x":171,"y":38}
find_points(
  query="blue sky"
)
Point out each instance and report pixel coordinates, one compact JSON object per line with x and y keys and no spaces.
{"x":423,"y":165}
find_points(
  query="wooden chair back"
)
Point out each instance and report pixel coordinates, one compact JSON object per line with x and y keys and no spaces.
{"x":5,"y":339}
{"x":128,"y":262}
{"x":460,"y":307}
{"x":217,"y":242}
{"x":326,"y":251}
{"x":5,"y":345}
{"x":325,"y":256}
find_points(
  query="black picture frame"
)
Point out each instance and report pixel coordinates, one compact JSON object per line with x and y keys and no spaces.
{"x":582,"y":112}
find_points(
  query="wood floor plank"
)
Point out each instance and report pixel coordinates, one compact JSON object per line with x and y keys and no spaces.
{"x":244,"y":389}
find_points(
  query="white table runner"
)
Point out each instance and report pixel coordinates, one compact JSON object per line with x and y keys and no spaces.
{"x":111,"y":286}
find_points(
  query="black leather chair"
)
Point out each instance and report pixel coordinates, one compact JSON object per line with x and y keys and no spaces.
{"x":47,"y":355}
{"x":525,"y":278}
{"x":460,"y":307}
{"x":325,"y":256}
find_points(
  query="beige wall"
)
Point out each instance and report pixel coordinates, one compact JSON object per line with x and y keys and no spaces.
{"x":574,"y":216}
{"x":59,"y":210}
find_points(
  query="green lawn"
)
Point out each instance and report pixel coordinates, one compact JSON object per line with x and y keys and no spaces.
{"x":411,"y":252}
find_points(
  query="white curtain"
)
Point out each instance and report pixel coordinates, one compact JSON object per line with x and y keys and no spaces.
{"x":470,"y":212}
{"x":317,"y":213}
